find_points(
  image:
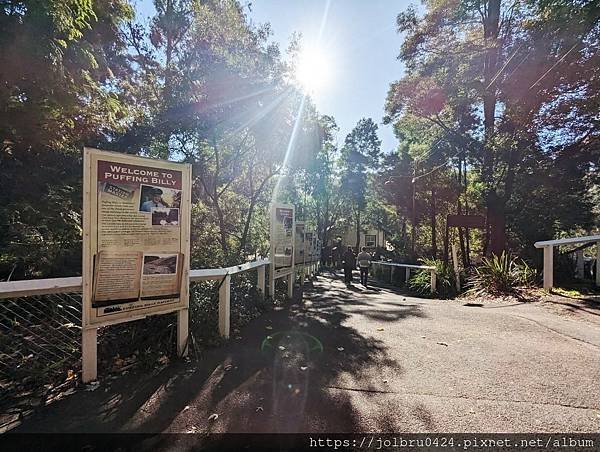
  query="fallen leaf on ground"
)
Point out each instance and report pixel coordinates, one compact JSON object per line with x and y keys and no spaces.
{"x":281,"y":347}
{"x":442,"y":343}
{"x":268,"y":327}
{"x":385,"y":381}
{"x":119,"y":362}
{"x":303,"y":368}
{"x":213,"y":417}
{"x":259,"y":409}
{"x":379,"y":329}
{"x":163,"y":360}
{"x":185,"y":408}
{"x":423,"y":337}
{"x":228,"y":367}
{"x":340,"y":349}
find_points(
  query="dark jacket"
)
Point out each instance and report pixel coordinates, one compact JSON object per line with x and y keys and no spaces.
{"x":349,"y":259}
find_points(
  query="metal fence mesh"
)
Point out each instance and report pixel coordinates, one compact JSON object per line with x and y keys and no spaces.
{"x":40,"y":343}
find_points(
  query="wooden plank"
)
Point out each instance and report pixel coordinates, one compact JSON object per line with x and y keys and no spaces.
{"x":260,"y":284}
{"x":433,"y":281}
{"x":290,"y":284}
{"x":183,"y":316}
{"x":89,"y":354}
{"x":569,"y":241}
{"x":455,"y":264}
{"x":224,"y":307}
{"x":548,"y":267}
{"x":466,"y":221}
{"x":394,"y":264}
{"x":14,"y":289}
{"x":207,"y":274}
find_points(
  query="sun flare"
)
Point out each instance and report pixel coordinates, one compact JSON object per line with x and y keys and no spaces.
{"x":313,"y":70}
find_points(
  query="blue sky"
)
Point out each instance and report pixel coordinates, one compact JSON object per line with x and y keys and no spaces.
{"x":360,"y":43}
{"x":359,"y":37}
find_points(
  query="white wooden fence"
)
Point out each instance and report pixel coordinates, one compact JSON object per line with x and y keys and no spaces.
{"x":407,"y":269}
{"x":548,"y":247}
{"x":18,"y":289}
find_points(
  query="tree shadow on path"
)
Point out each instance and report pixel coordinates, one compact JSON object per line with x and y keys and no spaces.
{"x":272,"y":376}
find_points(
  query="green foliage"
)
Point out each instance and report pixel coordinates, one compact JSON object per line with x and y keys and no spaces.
{"x":517,"y":114}
{"x":501,"y":275}
{"x":420,"y":281}
{"x":58,"y":58}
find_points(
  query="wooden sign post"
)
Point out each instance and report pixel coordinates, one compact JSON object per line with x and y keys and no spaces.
{"x":282,"y":242}
{"x":136,"y":245}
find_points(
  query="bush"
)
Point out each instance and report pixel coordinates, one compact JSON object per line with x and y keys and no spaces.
{"x":445,"y":280}
{"x":247,"y":303}
{"x":501,"y":275}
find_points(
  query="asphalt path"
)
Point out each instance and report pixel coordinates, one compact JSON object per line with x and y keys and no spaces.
{"x":350,"y":359}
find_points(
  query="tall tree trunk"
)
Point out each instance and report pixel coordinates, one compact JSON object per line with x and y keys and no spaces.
{"x":461,"y":235}
{"x":413,"y":231}
{"x":357,"y":229}
{"x":495,"y":212}
{"x":433,"y":220}
{"x":467,"y":237}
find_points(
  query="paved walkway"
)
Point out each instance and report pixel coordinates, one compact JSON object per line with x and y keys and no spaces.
{"x":351,"y":360}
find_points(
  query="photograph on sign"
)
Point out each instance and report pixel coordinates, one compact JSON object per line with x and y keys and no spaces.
{"x":139,"y":227}
{"x":160,"y":275}
{"x":152,"y":197}
{"x":164,"y":216}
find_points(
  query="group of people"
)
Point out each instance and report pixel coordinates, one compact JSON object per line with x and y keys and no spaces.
{"x":364,"y":259}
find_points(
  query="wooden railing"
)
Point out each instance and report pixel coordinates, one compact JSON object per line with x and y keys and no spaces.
{"x":408,"y":268}
{"x":548,"y":246}
{"x":16,"y":289}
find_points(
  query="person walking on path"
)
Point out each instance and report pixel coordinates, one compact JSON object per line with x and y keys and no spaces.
{"x":349,"y":265}
{"x":364,"y":262}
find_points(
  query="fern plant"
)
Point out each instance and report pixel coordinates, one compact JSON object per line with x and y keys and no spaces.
{"x":420,"y":282}
{"x":501,"y":275}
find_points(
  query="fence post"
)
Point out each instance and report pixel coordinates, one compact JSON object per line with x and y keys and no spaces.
{"x":455,"y":264}
{"x":260,"y":283}
{"x":580,"y":270}
{"x":183,"y":316}
{"x":433,"y":281}
{"x":290,"y":284}
{"x":406,"y":276}
{"x":392,"y":268}
{"x":89,"y":354}
{"x":224,"y":307}
{"x":272,"y":279}
{"x":548,"y":267}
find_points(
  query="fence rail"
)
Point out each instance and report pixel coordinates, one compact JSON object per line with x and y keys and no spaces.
{"x":548,"y":247}
{"x":408,"y":268}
